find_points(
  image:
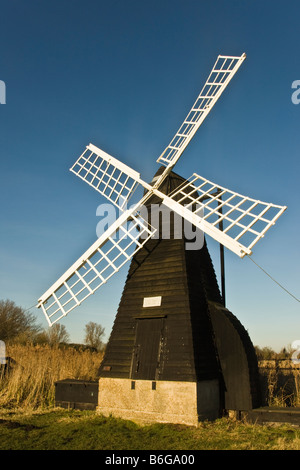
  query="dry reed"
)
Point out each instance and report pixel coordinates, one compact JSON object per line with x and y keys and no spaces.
{"x":281,"y":382}
{"x":30,"y":381}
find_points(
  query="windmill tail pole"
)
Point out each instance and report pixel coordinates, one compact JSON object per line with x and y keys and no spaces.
{"x":222,"y":261}
{"x":222,"y":256}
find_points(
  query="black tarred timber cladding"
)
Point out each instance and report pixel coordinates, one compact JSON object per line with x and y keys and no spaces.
{"x":186,"y":345}
{"x":183,"y":348}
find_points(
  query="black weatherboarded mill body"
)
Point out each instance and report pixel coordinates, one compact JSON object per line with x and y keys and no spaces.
{"x":175,"y":353}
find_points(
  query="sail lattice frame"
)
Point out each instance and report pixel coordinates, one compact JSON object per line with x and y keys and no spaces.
{"x":107,"y":175}
{"x":242,"y":221}
{"x":96,"y":266}
{"x":223,"y":71}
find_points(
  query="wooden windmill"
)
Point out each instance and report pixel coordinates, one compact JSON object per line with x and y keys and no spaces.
{"x":175,"y":353}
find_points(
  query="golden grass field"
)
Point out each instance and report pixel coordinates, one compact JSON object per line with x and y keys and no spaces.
{"x":31,"y":380}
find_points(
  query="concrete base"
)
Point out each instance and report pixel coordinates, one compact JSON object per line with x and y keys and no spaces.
{"x":146,"y":401}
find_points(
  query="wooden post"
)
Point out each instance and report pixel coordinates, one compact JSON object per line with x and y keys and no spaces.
{"x":222,"y":258}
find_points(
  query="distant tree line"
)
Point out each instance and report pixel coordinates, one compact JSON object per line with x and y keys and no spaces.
{"x":19,"y":326}
{"x":266,"y":353}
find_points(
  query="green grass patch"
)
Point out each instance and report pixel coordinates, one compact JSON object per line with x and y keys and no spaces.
{"x":60,"y":429}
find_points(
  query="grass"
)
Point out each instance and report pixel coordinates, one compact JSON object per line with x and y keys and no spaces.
{"x":59,"y":429}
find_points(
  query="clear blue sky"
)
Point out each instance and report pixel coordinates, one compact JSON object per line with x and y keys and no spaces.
{"x":123,"y":75}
